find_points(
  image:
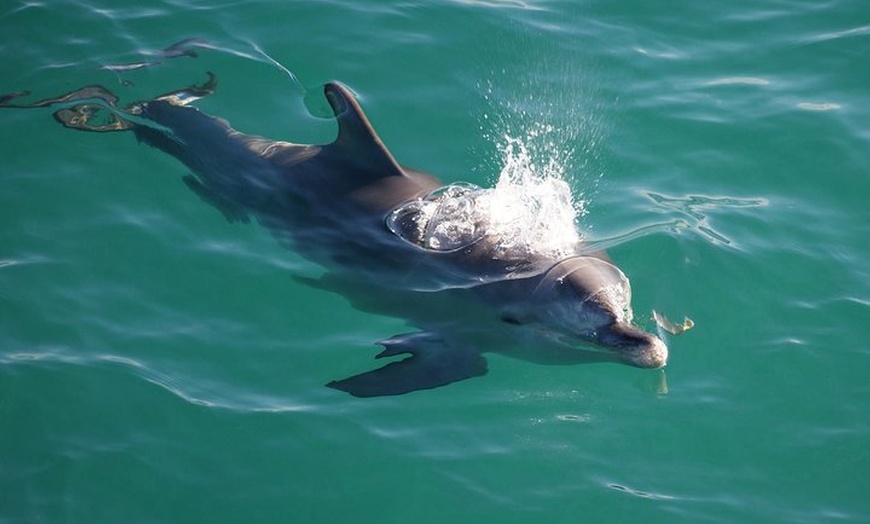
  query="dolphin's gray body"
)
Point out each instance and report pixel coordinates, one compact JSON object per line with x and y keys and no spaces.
{"x":331,"y":201}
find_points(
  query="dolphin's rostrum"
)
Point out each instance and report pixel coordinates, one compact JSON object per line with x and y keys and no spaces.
{"x":349,"y":206}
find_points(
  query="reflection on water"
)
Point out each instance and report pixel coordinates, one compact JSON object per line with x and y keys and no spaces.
{"x":686,"y":213}
{"x":693,"y":210}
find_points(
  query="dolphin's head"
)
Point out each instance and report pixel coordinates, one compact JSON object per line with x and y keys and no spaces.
{"x":589,"y":298}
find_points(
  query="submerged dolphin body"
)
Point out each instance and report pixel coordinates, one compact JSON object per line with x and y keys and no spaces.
{"x":351,"y":207}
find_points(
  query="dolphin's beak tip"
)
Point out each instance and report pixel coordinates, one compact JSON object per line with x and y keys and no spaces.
{"x":657,"y":352}
{"x":652,"y":353}
{"x":638,"y":347}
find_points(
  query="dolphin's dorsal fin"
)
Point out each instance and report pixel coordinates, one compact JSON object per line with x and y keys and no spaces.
{"x":357,"y":140}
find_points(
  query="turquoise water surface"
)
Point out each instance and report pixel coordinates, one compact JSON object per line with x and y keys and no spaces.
{"x":159,"y":364}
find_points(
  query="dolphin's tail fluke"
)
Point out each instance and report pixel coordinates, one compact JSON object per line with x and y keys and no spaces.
{"x":192,"y":93}
{"x":95,"y":108}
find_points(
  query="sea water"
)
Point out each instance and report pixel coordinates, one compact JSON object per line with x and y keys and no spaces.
{"x":158,"y":364}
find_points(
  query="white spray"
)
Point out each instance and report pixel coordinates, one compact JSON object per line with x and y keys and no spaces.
{"x":529,"y":214}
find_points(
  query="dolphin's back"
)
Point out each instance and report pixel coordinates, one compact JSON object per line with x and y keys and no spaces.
{"x":355,"y":167}
{"x":205,"y":144}
{"x":230,"y":169}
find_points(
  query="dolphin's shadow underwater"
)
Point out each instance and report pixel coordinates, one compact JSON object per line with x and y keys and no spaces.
{"x":393,"y":241}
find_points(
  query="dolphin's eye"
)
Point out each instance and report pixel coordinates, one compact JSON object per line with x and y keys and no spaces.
{"x":511,"y":320}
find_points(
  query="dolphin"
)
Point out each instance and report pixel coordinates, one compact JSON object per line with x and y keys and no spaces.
{"x":352,"y":208}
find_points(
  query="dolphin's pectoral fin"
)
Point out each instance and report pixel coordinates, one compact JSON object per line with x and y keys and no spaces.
{"x":432,"y":363}
{"x":231,"y":211}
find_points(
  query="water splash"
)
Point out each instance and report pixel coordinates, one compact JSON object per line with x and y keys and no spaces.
{"x":529,"y":214}
{"x":531,"y":208}
{"x":543,"y":142}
